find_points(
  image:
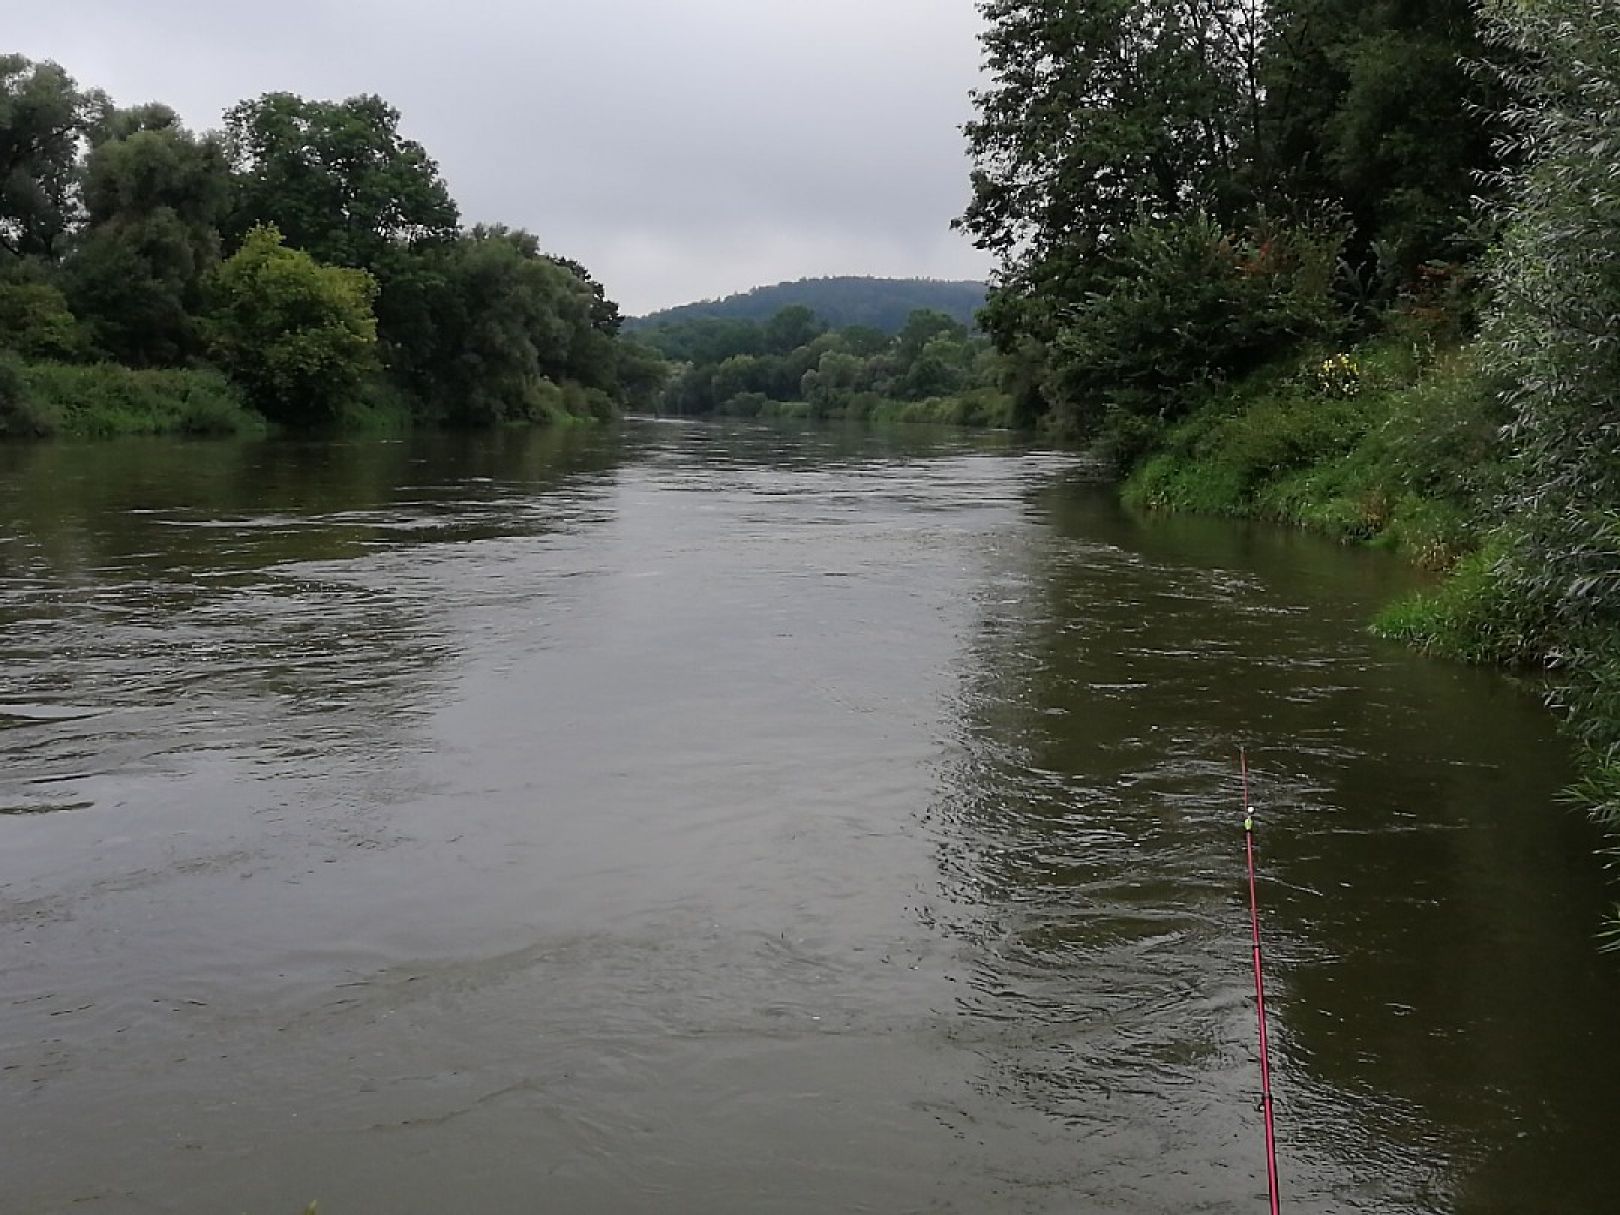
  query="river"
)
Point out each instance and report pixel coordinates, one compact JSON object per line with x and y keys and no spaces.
{"x":738,"y":819}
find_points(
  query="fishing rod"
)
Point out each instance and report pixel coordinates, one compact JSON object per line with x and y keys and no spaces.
{"x":1260,"y":992}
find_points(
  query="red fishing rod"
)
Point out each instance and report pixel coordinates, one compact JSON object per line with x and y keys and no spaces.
{"x":1260,"y":993}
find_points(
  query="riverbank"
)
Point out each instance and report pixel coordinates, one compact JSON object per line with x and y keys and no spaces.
{"x":1394,"y":443}
{"x":981,"y":409}
{"x":106,"y":400}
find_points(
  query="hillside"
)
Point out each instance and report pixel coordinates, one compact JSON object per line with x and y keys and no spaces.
{"x":881,"y":303}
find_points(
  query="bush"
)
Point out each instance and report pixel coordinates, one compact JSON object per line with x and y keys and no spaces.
{"x":745,"y":405}
{"x":1552,"y":337}
{"x":35,"y":323}
{"x":103,"y":399}
{"x":21,"y":415}
{"x":299,"y":337}
{"x":1187,"y":305}
{"x":1474,"y":616}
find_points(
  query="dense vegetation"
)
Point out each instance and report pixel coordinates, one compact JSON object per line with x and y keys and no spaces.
{"x":303,"y":265}
{"x":794,"y":365}
{"x":1351,"y":265}
{"x":884,"y":304}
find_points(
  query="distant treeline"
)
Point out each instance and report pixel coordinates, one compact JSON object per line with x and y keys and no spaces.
{"x":305,"y":260}
{"x":884,"y":304}
{"x":796,"y":365}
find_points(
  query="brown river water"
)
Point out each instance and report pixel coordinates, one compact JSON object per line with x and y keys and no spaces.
{"x":734,"y":820}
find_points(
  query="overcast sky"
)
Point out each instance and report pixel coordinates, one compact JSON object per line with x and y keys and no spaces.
{"x":681,"y":149}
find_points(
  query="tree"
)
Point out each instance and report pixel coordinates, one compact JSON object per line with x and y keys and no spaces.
{"x":299,"y":337}
{"x":480,"y":327}
{"x":863,"y":340}
{"x":336,"y":177}
{"x":154,"y":195}
{"x":143,"y":160}
{"x":831,"y":384}
{"x":1553,"y":336}
{"x":1188,"y":304}
{"x":791,"y":328}
{"x":1371,"y":107}
{"x":922,"y":327}
{"x":605,"y":316}
{"x":641,"y":373}
{"x":1100,"y":113}
{"x":43,"y":115}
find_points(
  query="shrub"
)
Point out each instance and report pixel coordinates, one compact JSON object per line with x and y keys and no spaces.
{"x":21,"y":415}
{"x":745,"y":405}
{"x":35,"y":323}
{"x":103,"y":399}
{"x":1187,"y":305}
{"x":299,"y":337}
{"x":1475,"y":615}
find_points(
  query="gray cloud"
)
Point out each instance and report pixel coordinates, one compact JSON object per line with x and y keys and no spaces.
{"x":680,"y":148}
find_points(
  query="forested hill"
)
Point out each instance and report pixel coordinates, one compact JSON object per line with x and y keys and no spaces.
{"x":877,"y":303}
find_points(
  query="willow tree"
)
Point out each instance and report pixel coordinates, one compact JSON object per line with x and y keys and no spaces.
{"x":43,"y":117}
{"x":1553,"y":336}
{"x":154,"y":196}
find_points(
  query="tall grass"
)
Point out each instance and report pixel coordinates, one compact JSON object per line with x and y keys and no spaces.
{"x":103,"y":399}
{"x":1385,"y":443}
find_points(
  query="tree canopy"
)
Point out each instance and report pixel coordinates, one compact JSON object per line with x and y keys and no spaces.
{"x":309,"y":248}
{"x":336,"y":177}
{"x":882,"y":304}
{"x":1196,"y":142}
{"x":297,"y":335}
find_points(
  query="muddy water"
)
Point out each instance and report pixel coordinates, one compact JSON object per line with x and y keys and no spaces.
{"x":753,"y":820}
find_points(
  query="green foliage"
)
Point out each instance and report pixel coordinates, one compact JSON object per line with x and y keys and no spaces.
{"x":35,"y":323}
{"x":136,"y":284}
{"x":335,"y":177}
{"x":1411,"y":460}
{"x":878,"y":304}
{"x":43,"y":115}
{"x":641,"y":373}
{"x":1101,"y":116}
{"x":791,"y":328}
{"x":154,"y":196}
{"x":142,"y":161}
{"x":100,"y":400}
{"x":1473,"y":616}
{"x":1187,"y":305}
{"x":705,"y":339}
{"x":299,"y":337}
{"x":1371,"y":108}
{"x":21,"y":416}
{"x":370,"y":304}
{"x":1132,"y":157}
{"x":1552,"y":336}
{"x":486,"y":329}
{"x":740,"y":368}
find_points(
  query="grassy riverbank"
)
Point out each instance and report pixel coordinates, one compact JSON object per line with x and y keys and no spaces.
{"x":1398,"y":444}
{"x":106,"y":400}
{"x":1393,"y":442}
